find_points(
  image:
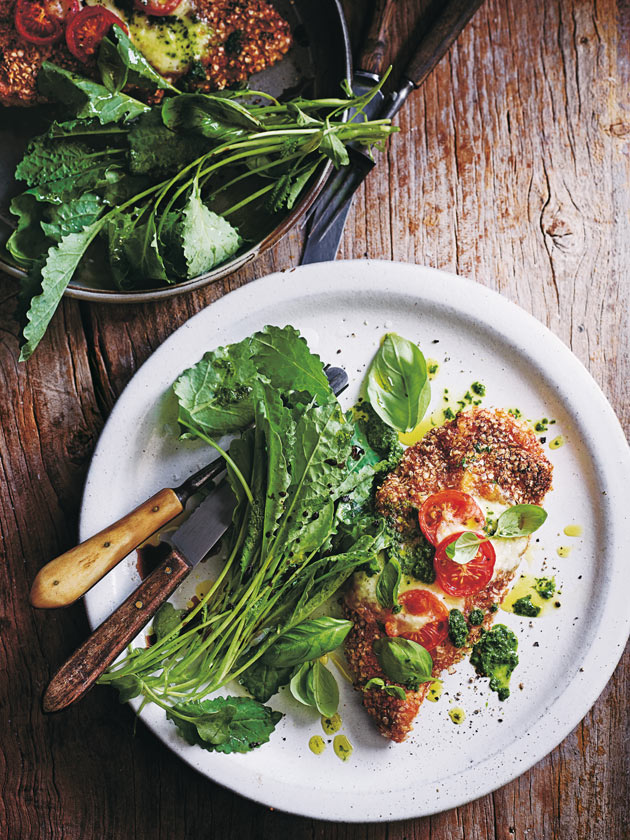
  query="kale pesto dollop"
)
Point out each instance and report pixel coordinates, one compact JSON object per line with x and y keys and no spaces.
{"x":495,"y":656}
{"x":457,"y":628}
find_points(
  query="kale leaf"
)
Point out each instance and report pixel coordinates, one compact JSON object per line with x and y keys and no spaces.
{"x":225,"y":724}
{"x":85,"y":98}
{"x":215,"y":395}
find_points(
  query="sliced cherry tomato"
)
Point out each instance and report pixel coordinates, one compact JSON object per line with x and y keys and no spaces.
{"x":157,"y":7}
{"x":464,"y":578}
{"x":449,"y":507}
{"x":86,"y":30}
{"x":424,"y":603}
{"x":41,"y":21}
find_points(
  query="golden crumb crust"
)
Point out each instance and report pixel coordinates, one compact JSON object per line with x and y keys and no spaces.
{"x":394,"y":717}
{"x":250,"y":35}
{"x":484,"y":452}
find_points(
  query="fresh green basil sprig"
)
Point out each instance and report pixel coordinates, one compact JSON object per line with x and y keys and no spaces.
{"x":397,"y":383}
{"x":517,"y":521}
{"x":404,"y":661}
{"x":392,"y":690}
{"x":314,"y":685}
{"x":388,"y":583}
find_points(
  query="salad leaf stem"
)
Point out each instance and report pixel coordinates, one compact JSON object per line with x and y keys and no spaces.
{"x":226,"y":457}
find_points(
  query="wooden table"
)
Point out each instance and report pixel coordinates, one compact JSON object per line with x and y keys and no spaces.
{"x":513,"y":168}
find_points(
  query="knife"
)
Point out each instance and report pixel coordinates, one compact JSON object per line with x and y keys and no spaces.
{"x":327,"y":220}
{"x":188,"y":546}
{"x":69,"y":576}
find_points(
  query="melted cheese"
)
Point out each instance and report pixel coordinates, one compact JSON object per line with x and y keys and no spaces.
{"x":169,"y":43}
{"x":509,"y":554}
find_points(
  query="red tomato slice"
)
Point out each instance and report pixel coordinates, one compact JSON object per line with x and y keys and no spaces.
{"x":451,"y":506}
{"x":157,"y":7}
{"x":464,"y":578}
{"x":38,"y":21}
{"x":425,"y":603}
{"x":86,"y":30}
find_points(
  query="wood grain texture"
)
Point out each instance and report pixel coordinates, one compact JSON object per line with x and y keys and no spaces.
{"x":92,"y":658}
{"x":512,"y":167}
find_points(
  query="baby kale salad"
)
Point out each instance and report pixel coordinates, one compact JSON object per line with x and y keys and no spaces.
{"x":169,"y":190}
{"x":304,"y":473}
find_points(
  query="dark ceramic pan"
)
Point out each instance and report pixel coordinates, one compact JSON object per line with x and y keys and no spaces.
{"x":319,"y":59}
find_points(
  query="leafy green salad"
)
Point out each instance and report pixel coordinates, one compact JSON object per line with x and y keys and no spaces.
{"x":171,"y":190}
{"x":303,"y":472}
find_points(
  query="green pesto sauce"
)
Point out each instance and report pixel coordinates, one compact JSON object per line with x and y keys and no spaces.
{"x":317,"y":744}
{"x":495,"y":656}
{"x":435,"y":691}
{"x":457,"y":714}
{"x":342,"y":747}
{"x":524,"y":607}
{"x":330,"y":725}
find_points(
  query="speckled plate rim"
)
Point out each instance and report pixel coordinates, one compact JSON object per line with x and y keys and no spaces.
{"x":611,"y":459}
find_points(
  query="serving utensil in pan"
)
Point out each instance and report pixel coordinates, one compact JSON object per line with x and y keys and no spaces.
{"x":328,"y":217}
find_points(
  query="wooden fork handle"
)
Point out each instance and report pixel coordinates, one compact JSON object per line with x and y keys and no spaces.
{"x":372,"y":56}
{"x":70,"y":575}
{"x":97,"y":653}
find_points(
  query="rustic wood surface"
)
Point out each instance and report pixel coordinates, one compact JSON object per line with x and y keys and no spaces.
{"x":512,"y":168}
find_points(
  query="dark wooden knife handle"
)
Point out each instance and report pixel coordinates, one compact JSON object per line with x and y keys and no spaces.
{"x":453,"y":17}
{"x":97,"y":653}
{"x":372,"y":56}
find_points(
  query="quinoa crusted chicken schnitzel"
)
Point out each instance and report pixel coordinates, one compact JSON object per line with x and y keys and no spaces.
{"x":210,"y":43}
{"x":476,"y":466}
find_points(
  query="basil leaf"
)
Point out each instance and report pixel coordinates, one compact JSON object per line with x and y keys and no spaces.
{"x":309,"y":640}
{"x":314,"y":685}
{"x":301,"y":686}
{"x":114,"y":73}
{"x":464,"y":548}
{"x":388,"y":583}
{"x":404,"y":661}
{"x":325,"y":690}
{"x":392,"y":690}
{"x":375,"y":682}
{"x":395,"y":691}
{"x":520,"y":521}
{"x":397,"y":383}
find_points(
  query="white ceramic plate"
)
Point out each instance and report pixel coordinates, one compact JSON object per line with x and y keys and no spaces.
{"x":567,"y":655}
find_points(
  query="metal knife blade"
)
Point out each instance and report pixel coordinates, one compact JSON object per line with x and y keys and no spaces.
{"x":205,"y":526}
